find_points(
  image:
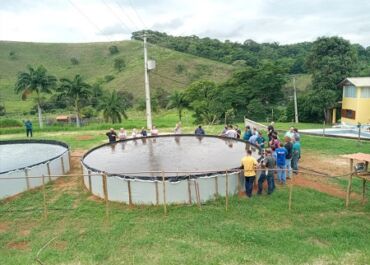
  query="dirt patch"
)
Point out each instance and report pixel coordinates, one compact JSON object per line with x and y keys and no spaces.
{"x":94,"y":198}
{"x":4,"y":227}
{"x":321,"y":186}
{"x":73,"y":181}
{"x":84,"y":137}
{"x":22,"y":245}
{"x":59,"y":245}
{"x":24,"y":232}
{"x":330,"y":165}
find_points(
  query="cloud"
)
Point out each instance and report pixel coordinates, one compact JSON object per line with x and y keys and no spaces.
{"x":287,"y":21}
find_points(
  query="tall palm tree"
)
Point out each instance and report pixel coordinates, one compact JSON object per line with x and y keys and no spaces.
{"x":113,"y":107}
{"x":177,"y":100}
{"x":35,"y":80}
{"x":76,"y":90}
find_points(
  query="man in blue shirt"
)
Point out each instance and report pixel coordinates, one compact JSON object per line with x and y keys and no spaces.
{"x":260,"y":141}
{"x":281,"y":153}
{"x":199,"y":131}
{"x":247,"y":133}
{"x":28,"y":125}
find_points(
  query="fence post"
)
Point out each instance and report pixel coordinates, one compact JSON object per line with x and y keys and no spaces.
{"x":156,"y":193}
{"x":105,"y":190}
{"x":27,"y":179}
{"x":349,"y":188}
{"x":189,"y":190}
{"x":164,"y":194}
{"x":44,"y":195}
{"x":49,"y":172}
{"x":129,"y":192}
{"x":227,"y":191}
{"x":197,"y":194}
{"x":216,"y":186}
{"x":62,"y":162}
{"x":290,"y":194}
{"x":90,"y":185}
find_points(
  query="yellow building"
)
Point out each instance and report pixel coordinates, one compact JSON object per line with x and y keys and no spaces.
{"x":356,"y":100}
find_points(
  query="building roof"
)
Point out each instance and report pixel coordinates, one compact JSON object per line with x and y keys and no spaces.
{"x":358,"y":156}
{"x":357,"y":81}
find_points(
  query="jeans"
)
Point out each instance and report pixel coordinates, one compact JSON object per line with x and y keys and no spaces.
{"x":281,"y":173}
{"x":288,"y":165}
{"x":270,"y":182}
{"x":249,"y":185}
{"x":295,"y":162}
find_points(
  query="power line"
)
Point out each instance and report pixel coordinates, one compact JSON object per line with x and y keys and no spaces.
{"x":125,"y":27}
{"x":137,"y":14}
{"x":124,"y":12}
{"x":89,"y":20}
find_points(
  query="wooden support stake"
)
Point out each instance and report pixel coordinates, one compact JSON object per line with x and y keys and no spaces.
{"x":350,"y":165}
{"x":70,"y":159}
{"x":27,"y":179}
{"x":227,"y":191}
{"x":129,"y":192}
{"x":156,"y":193}
{"x":44,"y":195}
{"x":290,"y":194}
{"x":62,"y":161}
{"x":105,"y":191}
{"x":197,"y":192}
{"x":189,"y":191}
{"x":89,"y":176}
{"x":216,"y":186}
{"x":363,"y":190}
{"x":239,"y":185}
{"x":164,"y":194}
{"x":348,"y":196}
{"x":49,"y":171}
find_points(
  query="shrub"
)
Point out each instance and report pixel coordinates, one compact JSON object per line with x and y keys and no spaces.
{"x":113,"y":49}
{"x":108,"y":78}
{"x":119,"y":64}
{"x":74,"y":61}
{"x":12,"y":55}
{"x":10,"y":123}
{"x":180,"y":68}
{"x":2,"y":110}
{"x":88,"y":112}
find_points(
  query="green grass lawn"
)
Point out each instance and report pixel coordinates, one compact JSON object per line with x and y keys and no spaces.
{"x":261,"y":230}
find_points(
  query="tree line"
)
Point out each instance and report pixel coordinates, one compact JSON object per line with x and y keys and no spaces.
{"x":250,"y":53}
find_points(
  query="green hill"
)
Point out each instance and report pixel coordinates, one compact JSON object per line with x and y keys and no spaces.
{"x":175,"y":70}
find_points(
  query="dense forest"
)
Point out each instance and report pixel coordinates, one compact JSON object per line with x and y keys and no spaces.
{"x":249,"y":53}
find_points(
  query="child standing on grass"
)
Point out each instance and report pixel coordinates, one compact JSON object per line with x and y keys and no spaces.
{"x":269,"y":164}
{"x":296,"y":155}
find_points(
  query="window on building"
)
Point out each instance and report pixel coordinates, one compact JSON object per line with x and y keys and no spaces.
{"x":365,"y":92}
{"x":349,"y":91}
{"x":348,"y":113}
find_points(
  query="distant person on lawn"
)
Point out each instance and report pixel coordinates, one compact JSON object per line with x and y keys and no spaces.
{"x":249,"y":164}
{"x":28,"y":125}
{"x":177,"y":129}
{"x":268,"y":163}
{"x":112,"y":136}
{"x":199,"y":131}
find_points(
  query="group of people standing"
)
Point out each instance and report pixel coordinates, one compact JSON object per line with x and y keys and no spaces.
{"x":282,"y":156}
{"x":123,"y":134}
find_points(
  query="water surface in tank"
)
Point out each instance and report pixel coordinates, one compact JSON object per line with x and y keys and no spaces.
{"x":20,"y":155}
{"x":174,"y":153}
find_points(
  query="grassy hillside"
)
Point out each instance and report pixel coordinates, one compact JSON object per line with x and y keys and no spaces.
{"x":174,"y":69}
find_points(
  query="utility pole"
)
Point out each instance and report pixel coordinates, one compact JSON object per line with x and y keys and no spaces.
{"x":295,"y":101}
{"x":147,"y":89}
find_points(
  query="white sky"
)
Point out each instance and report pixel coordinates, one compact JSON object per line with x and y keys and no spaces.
{"x":283,"y":21}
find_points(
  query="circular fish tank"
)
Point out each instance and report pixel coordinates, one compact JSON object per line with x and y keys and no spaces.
{"x":24,"y":162}
{"x":168,"y":168}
